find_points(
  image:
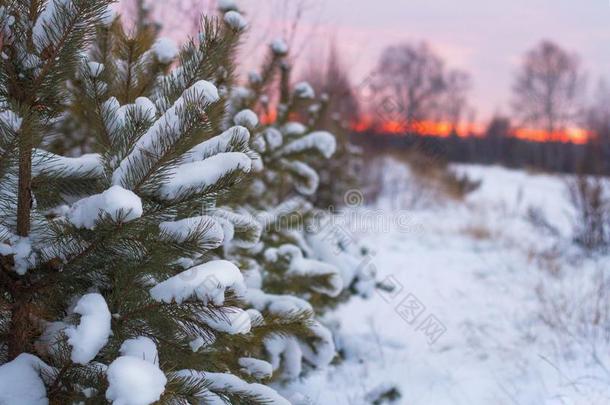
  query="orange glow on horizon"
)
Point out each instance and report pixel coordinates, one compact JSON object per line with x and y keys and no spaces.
{"x":573,"y":135}
{"x":441,"y":129}
{"x":444,"y":129}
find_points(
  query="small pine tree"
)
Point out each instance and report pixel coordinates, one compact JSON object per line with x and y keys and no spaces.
{"x":113,"y":287}
{"x":111,"y":260}
{"x":300,"y":253}
{"x":337,"y":111}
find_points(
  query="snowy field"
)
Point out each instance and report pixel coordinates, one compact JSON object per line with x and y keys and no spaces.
{"x":488,"y":307}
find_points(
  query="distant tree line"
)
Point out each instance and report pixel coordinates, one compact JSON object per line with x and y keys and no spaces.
{"x":495,"y":148}
{"x":411,"y":84}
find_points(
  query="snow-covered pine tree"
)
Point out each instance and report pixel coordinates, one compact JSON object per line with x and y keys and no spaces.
{"x":112,"y":289}
{"x":300,"y":254}
{"x":139,"y":59}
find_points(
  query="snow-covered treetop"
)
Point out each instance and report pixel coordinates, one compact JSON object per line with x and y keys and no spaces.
{"x":279,"y":46}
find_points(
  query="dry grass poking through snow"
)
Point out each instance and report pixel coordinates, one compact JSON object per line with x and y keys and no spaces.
{"x":436,"y":173}
{"x":416,"y":180}
{"x":478,"y":232}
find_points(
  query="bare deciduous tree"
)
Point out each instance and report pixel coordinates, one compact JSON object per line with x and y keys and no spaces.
{"x":331,"y":77}
{"x":458,"y":83}
{"x":597,"y":122}
{"x":409,"y":83}
{"x":598,"y":114}
{"x":548,"y":87}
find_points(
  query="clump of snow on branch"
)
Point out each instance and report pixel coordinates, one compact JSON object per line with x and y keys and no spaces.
{"x":353,"y":268}
{"x":165,"y":50}
{"x":21,"y":250}
{"x":294,"y":204}
{"x":232,"y":320}
{"x":208,"y":282}
{"x":276,"y":304}
{"x":293,"y":129}
{"x":109,"y":16}
{"x":202,"y":174}
{"x":301,"y":266}
{"x":274,"y":138}
{"x":230,"y":383}
{"x":21,"y":382}
{"x":304,"y":90}
{"x":166,"y":129}
{"x":243,"y":222}
{"x":210,"y":232}
{"x":258,"y":144}
{"x":44,"y":29}
{"x":235,"y":20}
{"x":237,"y":135}
{"x":323,"y":141}
{"x":279,"y":47}
{"x":322,"y":351}
{"x":134,"y":381}
{"x":246,"y":118}
{"x":288,"y":352}
{"x":285,"y":351}
{"x":92,"y":333}
{"x":95,"y":69}
{"x":143,"y":106}
{"x":141,"y":347}
{"x":254,"y":77}
{"x":11,"y":120}
{"x":256,"y":368}
{"x":116,"y":202}
{"x":304,"y":172}
{"x":227,"y":5}
{"x":48,"y":163}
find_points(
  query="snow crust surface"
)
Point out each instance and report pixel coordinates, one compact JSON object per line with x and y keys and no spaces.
{"x":472,"y":284}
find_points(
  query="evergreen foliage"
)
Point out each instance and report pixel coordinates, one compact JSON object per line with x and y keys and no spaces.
{"x":142,"y":250}
{"x":301,"y":252}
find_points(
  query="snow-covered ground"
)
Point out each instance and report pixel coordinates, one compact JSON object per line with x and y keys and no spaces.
{"x":488,"y":308}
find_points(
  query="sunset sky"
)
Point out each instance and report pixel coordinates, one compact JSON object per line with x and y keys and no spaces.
{"x":485,"y":37}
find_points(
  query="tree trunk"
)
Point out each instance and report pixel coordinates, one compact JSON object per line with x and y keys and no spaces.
{"x":24,"y":196}
{"x":21,"y":329}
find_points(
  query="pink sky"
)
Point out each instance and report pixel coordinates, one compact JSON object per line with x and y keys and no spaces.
{"x":485,"y":37}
